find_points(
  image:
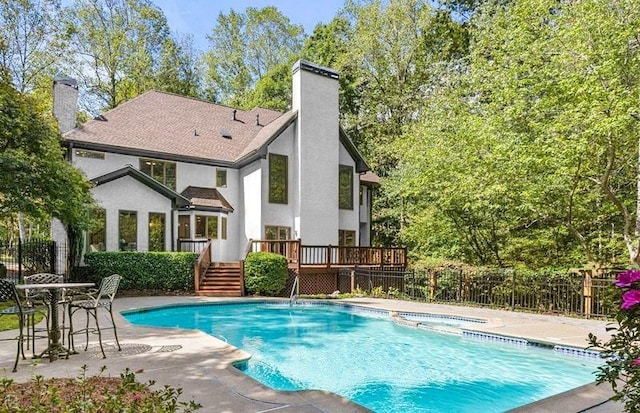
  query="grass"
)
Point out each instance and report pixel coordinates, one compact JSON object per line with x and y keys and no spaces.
{"x":10,"y":321}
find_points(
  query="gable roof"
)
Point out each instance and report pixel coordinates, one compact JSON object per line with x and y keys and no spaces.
{"x":145,"y":179}
{"x":168,"y":126}
{"x":160,"y":122}
{"x":209,"y":198}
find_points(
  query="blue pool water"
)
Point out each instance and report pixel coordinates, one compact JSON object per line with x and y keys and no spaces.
{"x":376,"y":363}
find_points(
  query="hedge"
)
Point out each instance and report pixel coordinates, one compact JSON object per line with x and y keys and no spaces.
{"x":265,"y":273}
{"x":168,"y":271}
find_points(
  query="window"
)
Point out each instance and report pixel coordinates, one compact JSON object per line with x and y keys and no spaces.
{"x":278,"y":179}
{"x":345,"y":187}
{"x":221,"y":178}
{"x":157,"y":231}
{"x":184,"y":227}
{"x":97,"y":234}
{"x":89,"y":154}
{"x":223,"y":228}
{"x":128,"y":230}
{"x":347,"y":238}
{"x":161,"y":171}
{"x":277,"y":233}
{"x":206,"y":227}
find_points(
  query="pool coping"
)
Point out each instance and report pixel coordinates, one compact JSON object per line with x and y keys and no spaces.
{"x":203,"y":367}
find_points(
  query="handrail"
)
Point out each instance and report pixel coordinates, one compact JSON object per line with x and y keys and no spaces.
{"x":201,"y":265}
{"x":295,"y":290}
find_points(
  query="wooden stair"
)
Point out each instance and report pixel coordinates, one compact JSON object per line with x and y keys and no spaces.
{"x":222,"y":279}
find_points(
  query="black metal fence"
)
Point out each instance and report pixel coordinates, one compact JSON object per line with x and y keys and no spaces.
{"x":25,"y":257}
{"x":581,"y":294}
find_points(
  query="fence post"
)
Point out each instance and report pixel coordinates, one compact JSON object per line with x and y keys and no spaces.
{"x":587,"y":292}
{"x":433,"y":284}
{"x":460,"y":289}
{"x":52,"y":257}
{"x":19,"y":260}
{"x":513,"y":289}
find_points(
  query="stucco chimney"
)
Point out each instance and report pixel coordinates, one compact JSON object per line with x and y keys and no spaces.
{"x":65,"y":102}
{"x":315,"y":97}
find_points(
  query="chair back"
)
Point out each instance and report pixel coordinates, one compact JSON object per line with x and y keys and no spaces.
{"x":43,"y":278}
{"x":8,"y":292}
{"x":109,"y":287}
{"x":40,"y":278}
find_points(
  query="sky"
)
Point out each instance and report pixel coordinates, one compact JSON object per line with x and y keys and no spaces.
{"x":197,"y":17}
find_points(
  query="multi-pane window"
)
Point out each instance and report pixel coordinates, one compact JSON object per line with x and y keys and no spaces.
{"x":221,"y":178}
{"x":162,"y":171}
{"x":345,"y":187}
{"x":157,"y":231}
{"x":278,"y":171}
{"x":184,"y":227}
{"x":128,"y":230}
{"x":206,"y":227}
{"x":223,"y":228}
{"x":97,"y":234}
{"x":82,"y":153}
{"x":277,"y":233}
{"x":347,"y":238}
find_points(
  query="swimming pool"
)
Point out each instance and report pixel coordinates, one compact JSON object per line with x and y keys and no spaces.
{"x":362,"y":355}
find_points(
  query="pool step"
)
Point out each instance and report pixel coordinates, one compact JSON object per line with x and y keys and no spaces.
{"x":222,"y":279}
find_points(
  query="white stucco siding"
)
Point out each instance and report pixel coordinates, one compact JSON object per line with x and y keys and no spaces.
{"x":281,"y":215}
{"x":251,"y":225}
{"x":94,"y":168}
{"x":127,"y":194}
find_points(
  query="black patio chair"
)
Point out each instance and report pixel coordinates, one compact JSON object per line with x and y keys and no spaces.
{"x":102,"y":298}
{"x":9,"y":296}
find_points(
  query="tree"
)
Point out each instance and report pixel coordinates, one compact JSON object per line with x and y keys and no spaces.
{"x":178,"y":68}
{"x":244,"y":48}
{"x":529,"y":154}
{"x":30,"y":46}
{"x":36,"y":179}
{"x":117,"y":45}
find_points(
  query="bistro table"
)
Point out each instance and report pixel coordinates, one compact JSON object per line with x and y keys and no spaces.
{"x":54,"y":349}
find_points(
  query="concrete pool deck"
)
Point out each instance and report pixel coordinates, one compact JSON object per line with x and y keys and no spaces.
{"x":201,"y":364}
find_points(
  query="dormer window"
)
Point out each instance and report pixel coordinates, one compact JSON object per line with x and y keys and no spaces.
{"x":162,"y":171}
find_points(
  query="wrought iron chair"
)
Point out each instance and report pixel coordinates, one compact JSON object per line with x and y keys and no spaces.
{"x":9,"y":294}
{"x":44,"y":296}
{"x":103,"y":298}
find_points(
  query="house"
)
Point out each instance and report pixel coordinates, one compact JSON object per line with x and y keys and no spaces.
{"x":170,"y":171}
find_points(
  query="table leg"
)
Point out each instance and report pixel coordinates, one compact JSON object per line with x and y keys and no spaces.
{"x":54,"y":349}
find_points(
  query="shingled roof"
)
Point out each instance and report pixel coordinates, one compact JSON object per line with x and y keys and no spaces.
{"x":207,"y":198}
{"x":173,"y":125}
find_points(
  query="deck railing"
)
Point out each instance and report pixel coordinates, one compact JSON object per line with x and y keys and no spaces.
{"x":332,"y":255}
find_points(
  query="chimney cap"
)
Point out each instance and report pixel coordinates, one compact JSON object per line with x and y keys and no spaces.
{"x":65,"y":80}
{"x":314,"y":68}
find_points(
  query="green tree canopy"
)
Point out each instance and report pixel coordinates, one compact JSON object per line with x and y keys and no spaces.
{"x":244,"y":48}
{"x":36,"y":179}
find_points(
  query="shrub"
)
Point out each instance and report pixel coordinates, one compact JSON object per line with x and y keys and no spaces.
{"x":622,"y":351}
{"x":265,"y":273}
{"x":169,"y":271}
{"x":91,"y":395}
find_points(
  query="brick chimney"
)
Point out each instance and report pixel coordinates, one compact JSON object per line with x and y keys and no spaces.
{"x":65,"y":102}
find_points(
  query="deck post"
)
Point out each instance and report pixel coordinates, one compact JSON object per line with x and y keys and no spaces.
{"x":329,"y":256}
{"x":353,"y":280}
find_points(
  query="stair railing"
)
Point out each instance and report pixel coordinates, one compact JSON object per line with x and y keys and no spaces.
{"x":202,"y":263}
{"x":295,"y":290}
